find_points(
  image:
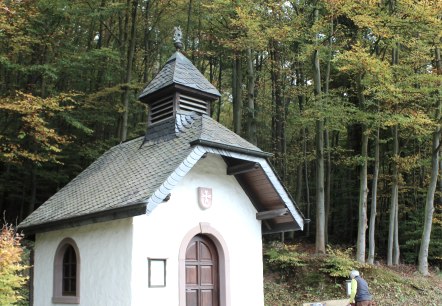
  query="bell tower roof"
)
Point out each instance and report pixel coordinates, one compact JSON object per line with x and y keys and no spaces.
{"x":178,"y":72}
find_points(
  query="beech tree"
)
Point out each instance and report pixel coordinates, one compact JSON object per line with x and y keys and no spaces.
{"x":435,"y":153}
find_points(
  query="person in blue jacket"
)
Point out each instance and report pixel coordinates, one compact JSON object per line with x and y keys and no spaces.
{"x":360,"y":295}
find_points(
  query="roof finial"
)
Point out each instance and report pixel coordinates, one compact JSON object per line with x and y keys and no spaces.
{"x":177,"y":36}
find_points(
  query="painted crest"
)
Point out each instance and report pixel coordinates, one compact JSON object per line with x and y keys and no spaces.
{"x":204,"y":197}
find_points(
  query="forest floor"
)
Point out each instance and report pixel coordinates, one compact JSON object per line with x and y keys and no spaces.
{"x":390,"y":286}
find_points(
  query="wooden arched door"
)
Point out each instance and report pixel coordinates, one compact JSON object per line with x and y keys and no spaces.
{"x":202,"y":277}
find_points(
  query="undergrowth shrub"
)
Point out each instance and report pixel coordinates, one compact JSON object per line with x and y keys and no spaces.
{"x":339,"y":263}
{"x":284,"y":257}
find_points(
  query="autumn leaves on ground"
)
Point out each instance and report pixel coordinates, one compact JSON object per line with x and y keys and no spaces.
{"x":295,"y":275}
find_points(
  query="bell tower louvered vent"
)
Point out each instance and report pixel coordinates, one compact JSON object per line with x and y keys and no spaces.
{"x":161,"y":110}
{"x":187,"y":103}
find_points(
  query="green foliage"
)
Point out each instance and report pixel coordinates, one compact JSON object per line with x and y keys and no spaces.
{"x":339,"y":263}
{"x":12,"y":277}
{"x":284,"y":257}
{"x":27,"y":132}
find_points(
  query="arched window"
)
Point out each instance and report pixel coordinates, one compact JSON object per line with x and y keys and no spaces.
{"x":67,"y":273}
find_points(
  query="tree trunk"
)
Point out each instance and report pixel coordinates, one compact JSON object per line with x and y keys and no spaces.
{"x":299,"y":185}
{"x":3,"y":186}
{"x":278,"y":108}
{"x":251,"y":122}
{"x":327,"y":139}
{"x":393,"y":251}
{"x":301,"y":102}
{"x":363,"y":193}
{"x":320,"y":196}
{"x":189,"y":18}
{"x":393,"y":201}
{"x":320,"y":210}
{"x":363,"y":185}
{"x":218,"y":113}
{"x":429,"y":205}
{"x":237,"y":93}
{"x":146,"y":41}
{"x":307,"y":188}
{"x":373,"y":208}
{"x":33,"y":198}
{"x":130,"y":57}
{"x":396,"y":250}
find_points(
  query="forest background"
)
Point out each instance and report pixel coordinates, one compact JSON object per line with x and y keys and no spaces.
{"x":346,"y":95}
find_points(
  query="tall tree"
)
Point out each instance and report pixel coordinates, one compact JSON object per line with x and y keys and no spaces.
{"x":320,"y":191}
{"x":363,"y":184}
{"x":128,"y":72}
{"x":237,"y":93}
{"x":393,"y":231}
{"x":435,"y":153}
{"x":251,"y":120}
{"x":373,"y":207}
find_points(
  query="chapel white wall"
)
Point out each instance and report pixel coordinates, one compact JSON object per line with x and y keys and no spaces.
{"x":105,"y":255}
{"x":159,"y":235}
{"x":114,"y":267}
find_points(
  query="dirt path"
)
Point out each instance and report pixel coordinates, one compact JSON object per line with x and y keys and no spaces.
{"x":343,"y":302}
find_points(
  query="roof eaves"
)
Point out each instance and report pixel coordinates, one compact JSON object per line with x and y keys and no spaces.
{"x":135,"y":209}
{"x":286,"y":191}
{"x":273,"y":178}
{"x":283,"y":192}
{"x":230,"y":148}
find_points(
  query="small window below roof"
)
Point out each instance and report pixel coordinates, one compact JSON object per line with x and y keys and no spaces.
{"x":67,"y":273}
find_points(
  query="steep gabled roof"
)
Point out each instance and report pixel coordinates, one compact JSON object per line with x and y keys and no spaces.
{"x":134,"y":177}
{"x":179,"y":70}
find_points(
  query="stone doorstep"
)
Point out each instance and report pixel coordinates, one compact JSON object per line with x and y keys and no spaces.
{"x":343,"y":302}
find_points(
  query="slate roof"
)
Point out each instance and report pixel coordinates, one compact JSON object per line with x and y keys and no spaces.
{"x":179,"y":70}
{"x":130,"y":173}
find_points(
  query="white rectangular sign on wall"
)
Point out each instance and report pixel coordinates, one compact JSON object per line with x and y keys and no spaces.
{"x":157,"y":272}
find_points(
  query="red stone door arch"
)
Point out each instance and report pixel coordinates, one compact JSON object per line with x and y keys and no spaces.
{"x":202,"y":274}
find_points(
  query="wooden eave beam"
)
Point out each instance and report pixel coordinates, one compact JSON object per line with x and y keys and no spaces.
{"x":280,"y":228}
{"x":242,"y":168}
{"x":270,"y":214}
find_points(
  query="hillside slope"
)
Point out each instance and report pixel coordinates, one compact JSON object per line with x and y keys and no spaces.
{"x":294,"y":275}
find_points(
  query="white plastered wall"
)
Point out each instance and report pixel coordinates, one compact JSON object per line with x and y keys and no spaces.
{"x":232,"y":215}
{"x":114,"y":266}
{"x":105,"y":256}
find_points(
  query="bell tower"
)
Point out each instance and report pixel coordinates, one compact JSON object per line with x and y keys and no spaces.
{"x":179,"y":88}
